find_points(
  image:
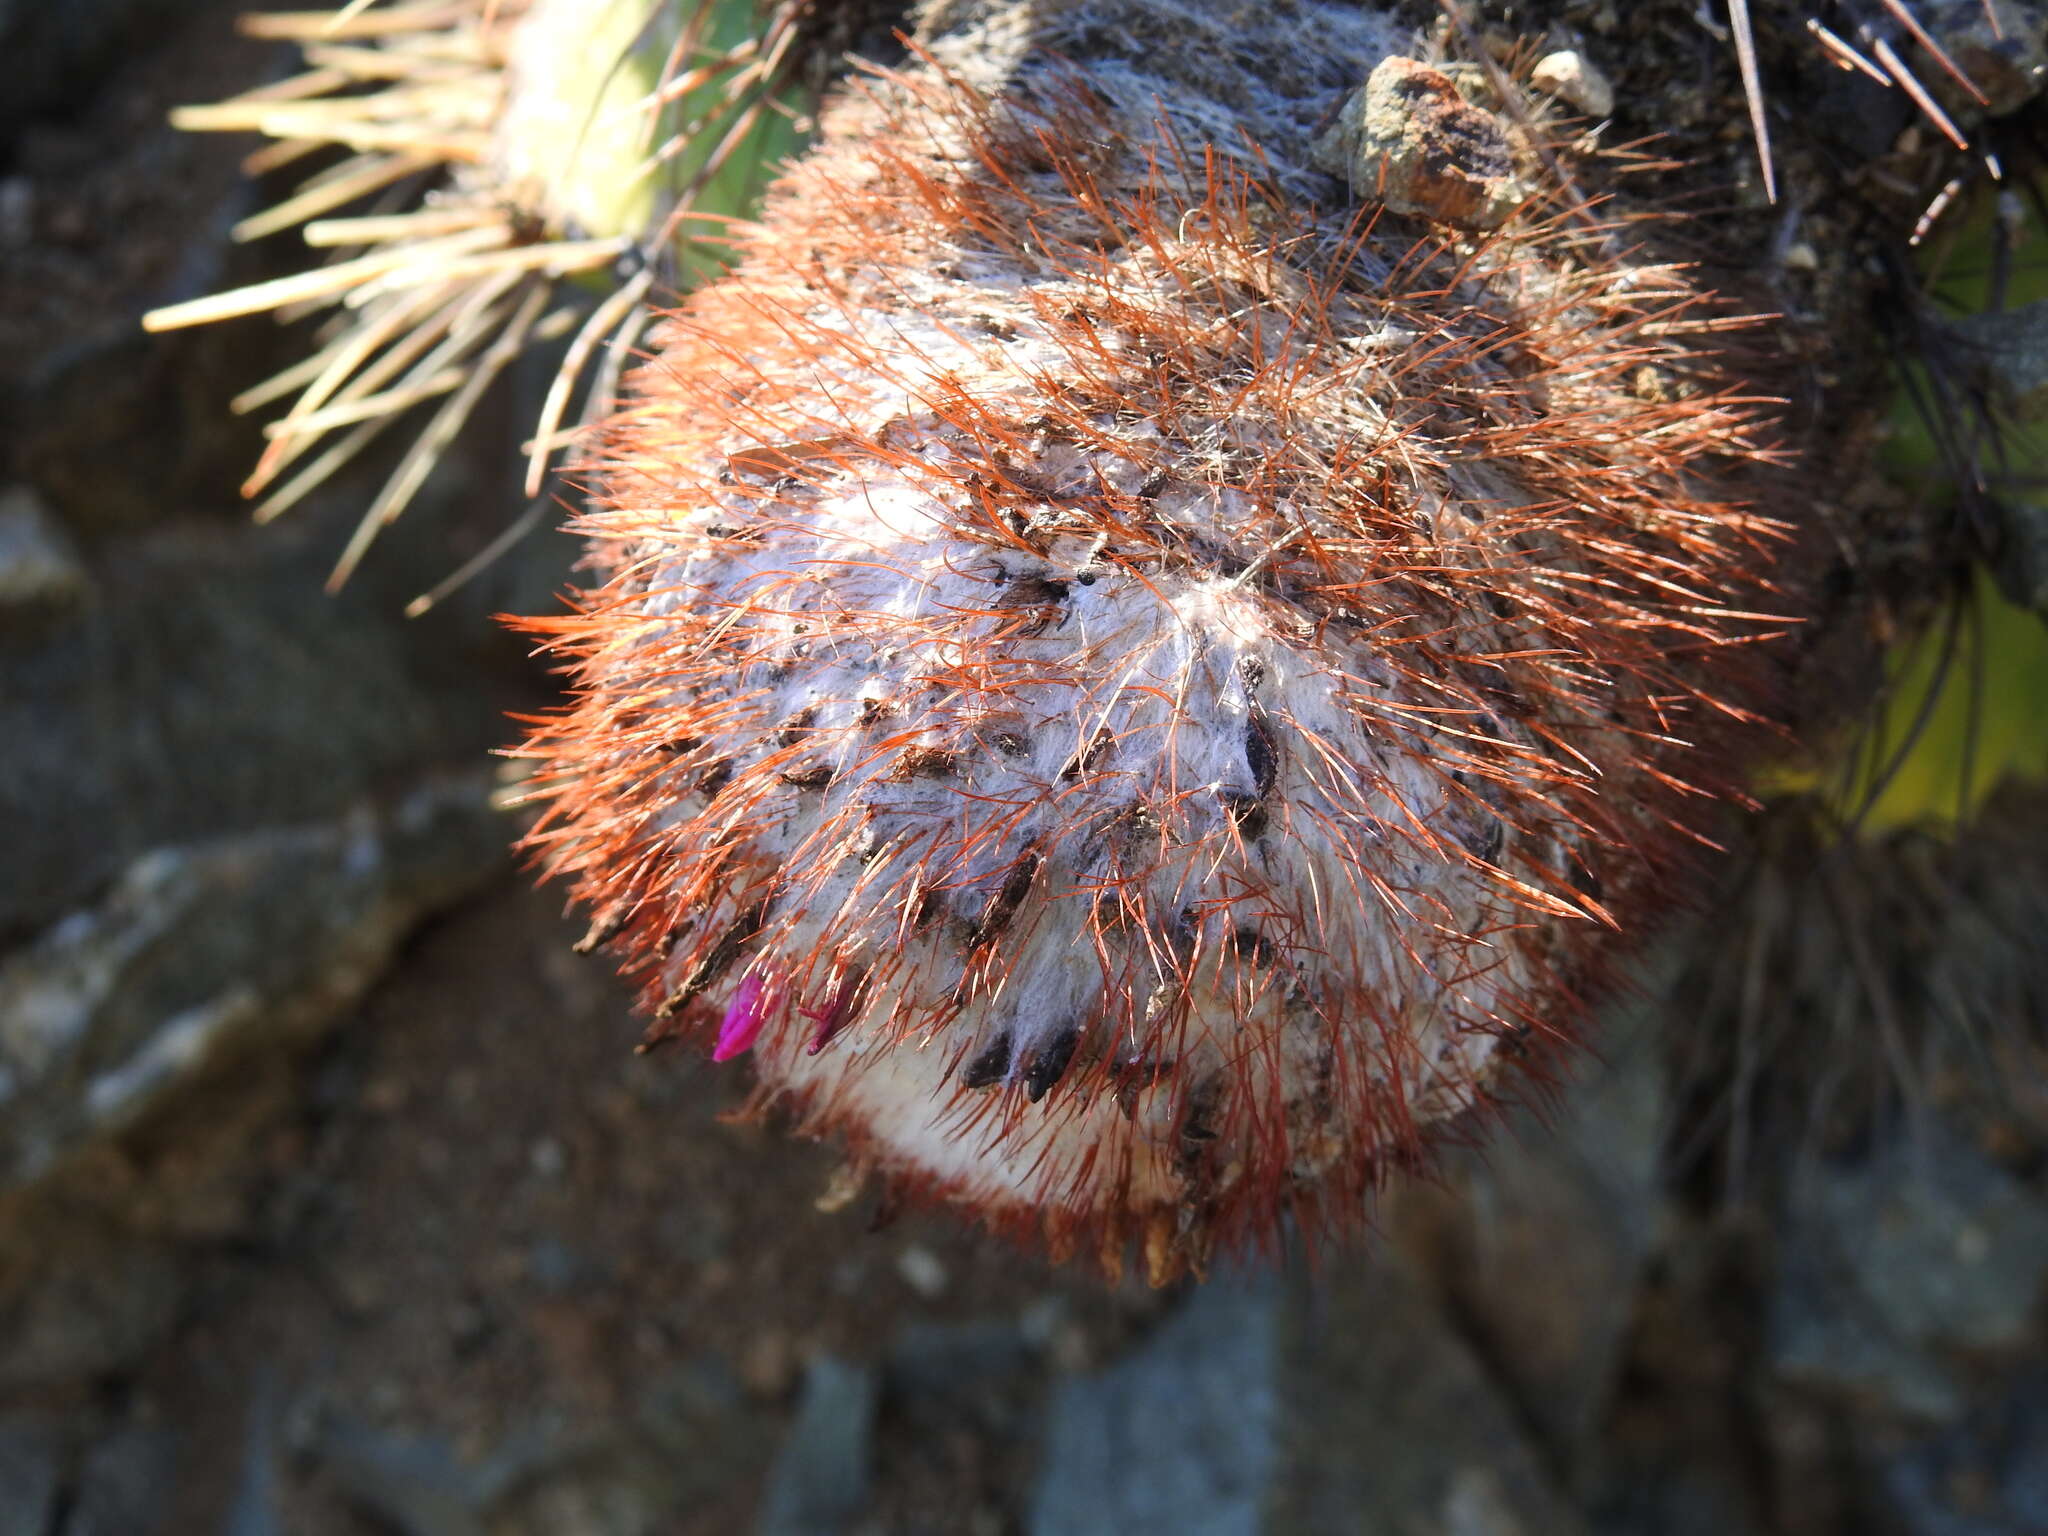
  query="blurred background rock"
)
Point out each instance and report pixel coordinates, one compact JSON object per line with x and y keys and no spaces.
{"x":333,"y":1200}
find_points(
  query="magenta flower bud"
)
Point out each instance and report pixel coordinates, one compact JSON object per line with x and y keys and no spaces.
{"x":744,"y":1017}
{"x":838,"y":1009}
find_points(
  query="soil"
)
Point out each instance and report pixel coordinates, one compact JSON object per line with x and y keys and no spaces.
{"x":494,"y":1216}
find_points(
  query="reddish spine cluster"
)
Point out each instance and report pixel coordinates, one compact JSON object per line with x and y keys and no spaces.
{"x":1135,"y":695}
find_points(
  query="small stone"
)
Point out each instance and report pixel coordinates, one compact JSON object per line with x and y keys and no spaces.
{"x":17,"y":212}
{"x":1411,"y":141}
{"x":922,"y":1271}
{"x":768,"y":1364}
{"x":841,"y":1189}
{"x":1801,"y":257}
{"x":1569,"y":75}
{"x":39,"y":570}
{"x":359,"y":1289}
{"x":556,"y":1269}
{"x":385,"y":1095}
{"x":547,"y":1158}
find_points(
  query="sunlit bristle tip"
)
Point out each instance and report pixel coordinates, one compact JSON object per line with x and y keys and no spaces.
{"x":481,"y":168}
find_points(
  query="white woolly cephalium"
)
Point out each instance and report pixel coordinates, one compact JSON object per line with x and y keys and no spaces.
{"x":1133,"y":684}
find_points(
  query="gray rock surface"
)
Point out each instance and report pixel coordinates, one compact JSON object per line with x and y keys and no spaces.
{"x":2011,"y":347}
{"x":980,"y":1373}
{"x":707,"y":1432}
{"x":40,"y":573}
{"x":820,"y":1482}
{"x":1986,"y":1476}
{"x":212,"y":687}
{"x":1179,"y":1438}
{"x":1335,"y":1401}
{"x":1899,"y":1266}
{"x":125,"y":1485}
{"x":31,"y":1470}
{"x":413,"y":1483}
{"x":1538,"y":1239}
{"x":1393,"y":1424}
{"x":201,"y":960}
{"x":204,"y":952}
{"x":2001,"y":45}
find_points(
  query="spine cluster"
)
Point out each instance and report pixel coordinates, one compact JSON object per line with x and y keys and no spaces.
{"x":1130,"y":681}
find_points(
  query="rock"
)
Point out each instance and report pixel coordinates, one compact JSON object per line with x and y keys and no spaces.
{"x":819,"y":1484}
{"x":30,"y":1472}
{"x":2020,"y":564}
{"x":1342,"y":1402}
{"x":1538,"y":1239}
{"x":2001,"y":45}
{"x":1179,"y":1438}
{"x":119,"y":211}
{"x":17,"y":212}
{"x":1896,"y":1267}
{"x":90,"y":1300}
{"x":601,"y":1500}
{"x":209,"y":686}
{"x":686,"y":1407}
{"x":709,"y":1434}
{"x":39,"y":569}
{"x":553,"y":1268}
{"x":922,"y":1271}
{"x":176,"y":1004}
{"x":125,"y":1485}
{"x":418,"y":1485}
{"x":1409,"y":140}
{"x":253,"y":1511}
{"x":941,"y":1359}
{"x":941,"y":1374}
{"x":1986,"y":1476}
{"x":201,"y":954}
{"x":2012,"y":346}
{"x":1858,"y":117}
{"x":1682,"y":1499}
{"x":1571,"y":76}
{"x":1393,"y":1425}
{"x":413,"y":1483}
